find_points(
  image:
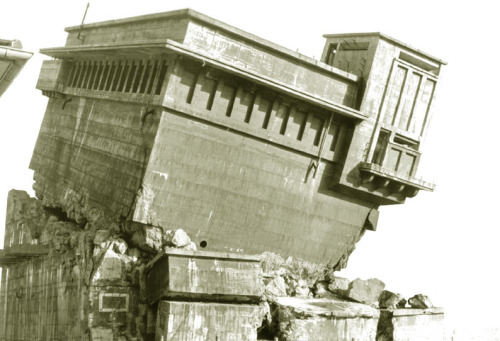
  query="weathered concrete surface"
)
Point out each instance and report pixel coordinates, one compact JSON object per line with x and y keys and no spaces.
{"x":324,"y":319}
{"x":207,"y":321}
{"x":188,"y":275}
{"x":411,"y":325}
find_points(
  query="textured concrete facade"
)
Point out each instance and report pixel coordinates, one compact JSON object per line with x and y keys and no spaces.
{"x":178,"y":120}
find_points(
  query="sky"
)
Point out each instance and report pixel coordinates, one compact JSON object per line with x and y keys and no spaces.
{"x":444,"y":244}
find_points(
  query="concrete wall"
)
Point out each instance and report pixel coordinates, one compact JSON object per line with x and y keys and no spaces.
{"x":239,"y":194}
{"x":90,"y":155}
{"x":280,"y":68}
{"x":206,"y":321}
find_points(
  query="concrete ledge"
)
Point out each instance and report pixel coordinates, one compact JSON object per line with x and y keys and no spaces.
{"x":204,"y":276}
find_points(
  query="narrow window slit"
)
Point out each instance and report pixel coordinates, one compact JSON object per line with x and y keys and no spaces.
{"x":192,"y":87}
{"x":231,"y":101}
{"x":211,"y":97}
{"x":154,"y":71}
{"x":161,"y":79}
{"x":285,"y":121}
{"x":130,"y":78}
{"x":249,"y":110}
{"x":105,"y":76}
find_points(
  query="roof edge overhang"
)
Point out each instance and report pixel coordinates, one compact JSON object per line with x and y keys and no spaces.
{"x":14,"y":54}
{"x":388,"y":38}
{"x":170,"y":46}
{"x":192,"y":14}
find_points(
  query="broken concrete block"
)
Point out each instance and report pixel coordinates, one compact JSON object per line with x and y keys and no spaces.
{"x":148,"y":238}
{"x":177,"y":238}
{"x":191,"y":246}
{"x":339,"y":286}
{"x":120,"y":246}
{"x":276,"y":287}
{"x":420,"y":302}
{"x":390,"y":300}
{"x":324,"y":319}
{"x":207,"y":321}
{"x":321,"y":290}
{"x":101,"y":236}
{"x":365,"y":291}
{"x":110,"y":267}
{"x":411,"y":325}
{"x":184,"y":274}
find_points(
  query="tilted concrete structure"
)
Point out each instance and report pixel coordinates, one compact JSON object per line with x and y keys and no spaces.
{"x":176,"y":120}
{"x":12,"y":60}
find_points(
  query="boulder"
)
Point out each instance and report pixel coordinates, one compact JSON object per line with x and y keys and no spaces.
{"x":177,"y":238}
{"x":390,"y":300}
{"x":276,"y":287}
{"x":101,"y":236}
{"x":148,"y":238}
{"x":420,"y":302}
{"x":321,"y":290}
{"x":339,"y":286}
{"x":120,"y":246}
{"x":365,"y":291}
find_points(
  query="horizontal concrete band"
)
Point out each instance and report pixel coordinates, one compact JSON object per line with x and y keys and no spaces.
{"x":148,"y":48}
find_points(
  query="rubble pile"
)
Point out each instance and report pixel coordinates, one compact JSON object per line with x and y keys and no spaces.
{"x":92,"y":259}
{"x":94,"y":266}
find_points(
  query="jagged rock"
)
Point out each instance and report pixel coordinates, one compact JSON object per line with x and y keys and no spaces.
{"x":339,"y":286}
{"x":191,"y":246}
{"x":420,"y":302}
{"x":101,"y":236}
{"x":120,"y":246}
{"x":276,"y":287}
{"x":134,"y":253}
{"x":365,"y":291}
{"x":148,"y":238}
{"x":302,"y":290}
{"x":177,"y":238}
{"x":390,"y":300}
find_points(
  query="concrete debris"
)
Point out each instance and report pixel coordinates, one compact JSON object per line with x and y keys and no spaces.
{"x":148,"y":238}
{"x":390,"y":300}
{"x":339,"y":286}
{"x":321,"y":290}
{"x":177,"y":238}
{"x":120,"y":246}
{"x":420,"y":301}
{"x":101,"y":236}
{"x":365,"y":291}
{"x":275,"y":287}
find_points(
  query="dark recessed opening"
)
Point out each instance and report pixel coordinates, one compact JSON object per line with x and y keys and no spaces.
{"x":203,"y":244}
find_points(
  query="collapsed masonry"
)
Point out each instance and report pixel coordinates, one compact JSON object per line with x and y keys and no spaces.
{"x":142,"y":283}
{"x":177,"y":122}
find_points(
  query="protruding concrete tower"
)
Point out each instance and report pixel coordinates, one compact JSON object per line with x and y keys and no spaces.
{"x":396,"y":93}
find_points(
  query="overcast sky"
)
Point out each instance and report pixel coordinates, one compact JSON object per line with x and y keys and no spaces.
{"x":444,"y":244}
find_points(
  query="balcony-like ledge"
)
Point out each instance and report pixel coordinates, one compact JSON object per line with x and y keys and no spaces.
{"x":395,"y":183}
